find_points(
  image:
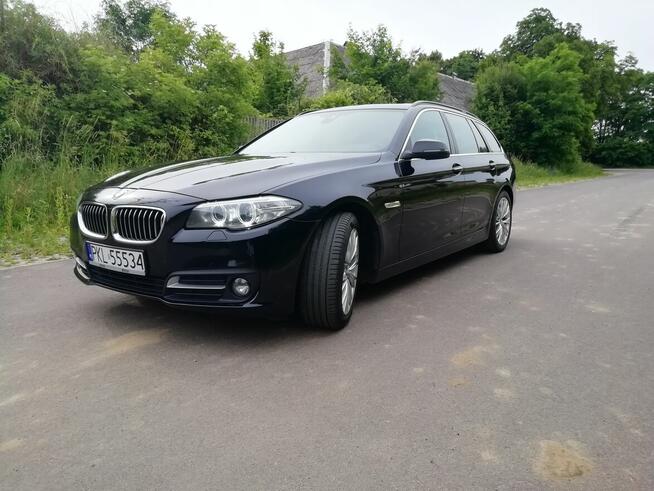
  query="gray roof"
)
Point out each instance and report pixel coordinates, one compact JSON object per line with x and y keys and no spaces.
{"x":456,"y":92}
{"x":310,"y":63}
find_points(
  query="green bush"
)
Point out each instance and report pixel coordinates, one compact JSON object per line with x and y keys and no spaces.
{"x":622,"y":152}
{"x":537,"y":107}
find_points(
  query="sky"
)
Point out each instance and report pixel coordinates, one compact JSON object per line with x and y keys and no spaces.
{"x":449,"y":27}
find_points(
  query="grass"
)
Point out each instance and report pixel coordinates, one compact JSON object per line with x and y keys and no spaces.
{"x":38,"y":196}
{"x":531,"y":175}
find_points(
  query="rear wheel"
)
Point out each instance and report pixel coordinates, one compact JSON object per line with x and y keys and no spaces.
{"x":330,"y":273}
{"x":500,"y":229}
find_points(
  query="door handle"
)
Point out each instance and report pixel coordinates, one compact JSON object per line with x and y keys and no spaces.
{"x":491,"y":164}
{"x":457,"y":169}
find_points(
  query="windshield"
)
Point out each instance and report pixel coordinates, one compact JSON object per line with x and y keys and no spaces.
{"x":356,"y":130}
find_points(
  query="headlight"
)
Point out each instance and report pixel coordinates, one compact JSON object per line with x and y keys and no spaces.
{"x":240,"y":214}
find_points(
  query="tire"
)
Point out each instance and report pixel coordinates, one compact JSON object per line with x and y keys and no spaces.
{"x":322,"y":292}
{"x":499,"y":231}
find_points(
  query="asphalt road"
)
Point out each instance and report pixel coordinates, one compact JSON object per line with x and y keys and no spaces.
{"x":529,"y":369}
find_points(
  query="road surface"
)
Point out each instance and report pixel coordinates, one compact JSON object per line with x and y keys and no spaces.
{"x":529,"y":369}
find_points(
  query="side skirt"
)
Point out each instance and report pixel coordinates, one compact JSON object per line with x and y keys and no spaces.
{"x":429,"y":256}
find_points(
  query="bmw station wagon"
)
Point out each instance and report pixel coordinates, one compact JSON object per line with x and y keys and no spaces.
{"x":298,"y":218}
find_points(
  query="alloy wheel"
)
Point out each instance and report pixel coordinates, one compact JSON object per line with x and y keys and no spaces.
{"x":503,"y":221}
{"x":350,"y":272}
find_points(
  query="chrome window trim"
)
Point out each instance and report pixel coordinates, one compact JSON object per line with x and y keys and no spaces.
{"x":415,"y":120}
{"x":473,"y":120}
{"x":114,"y":230}
{"x":82,"y":226}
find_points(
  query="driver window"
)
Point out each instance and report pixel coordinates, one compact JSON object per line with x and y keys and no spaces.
{"x":429,"y":126}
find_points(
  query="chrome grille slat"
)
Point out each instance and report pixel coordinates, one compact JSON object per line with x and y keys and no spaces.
{"x":137,"y":224}
{"x":97,"y":220}
{"x":142,"y":224}
{"x":92,"y":218}
{"x":148,"y":215}
{"x":130,"y":229}
{"x":93,"y":222}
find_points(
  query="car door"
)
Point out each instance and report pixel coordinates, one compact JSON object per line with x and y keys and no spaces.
{"x":473,"y":156}
{"x":432,"y":192}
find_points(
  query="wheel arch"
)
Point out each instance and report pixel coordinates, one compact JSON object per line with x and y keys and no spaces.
{"x":371,"y":240}
{"x":509,"y":190}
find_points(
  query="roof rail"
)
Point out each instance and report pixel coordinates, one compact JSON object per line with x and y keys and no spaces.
{"x":449,"y":106}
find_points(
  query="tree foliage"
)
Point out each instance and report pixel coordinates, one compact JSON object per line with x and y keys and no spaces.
{"x":465,"y":65}
{"x":128,"y":25}
{"x":625,"y":132}
{"x":371,"y":58}
{"x":537,"y":106}
{"x":612,"y":94}
{"x":279,"y":89}
{"x":141,"y":84}
{"x":348,"y":94}
{"x":32,"y":42}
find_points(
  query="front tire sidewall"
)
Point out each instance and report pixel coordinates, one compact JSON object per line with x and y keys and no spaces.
{"x":320,"y":300}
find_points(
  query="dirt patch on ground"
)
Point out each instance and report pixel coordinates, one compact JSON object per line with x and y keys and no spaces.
{"x":475,"y":356}
{"x":8,"y":445}
{"x":126,"y":343}
{"x":562,"y":460}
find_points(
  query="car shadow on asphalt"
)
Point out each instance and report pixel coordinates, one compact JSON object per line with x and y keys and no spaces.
{"x":407,"y":281}
{"x":128,"y":314}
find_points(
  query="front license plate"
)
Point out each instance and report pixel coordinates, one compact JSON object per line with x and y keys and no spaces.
{"x":123,"y":260}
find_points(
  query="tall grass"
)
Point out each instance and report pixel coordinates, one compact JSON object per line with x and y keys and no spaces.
{"x":532,"y":175}
{"x":37,"y":197}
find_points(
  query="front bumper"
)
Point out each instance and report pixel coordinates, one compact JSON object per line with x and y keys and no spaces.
{"x":196,"y":268}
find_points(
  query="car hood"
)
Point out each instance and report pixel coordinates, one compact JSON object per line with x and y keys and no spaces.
{"x":237,"y":175}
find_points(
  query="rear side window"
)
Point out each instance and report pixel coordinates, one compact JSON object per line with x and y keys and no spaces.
{"x":480,"y":141}
{"x":465,"y":139}
{"x":429,"y":126}
{"x":491,"y":141}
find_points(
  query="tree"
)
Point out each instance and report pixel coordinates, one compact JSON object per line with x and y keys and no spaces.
{"x":128,"y":24}
{"x":464,"y":65}
{"x":539,"y":24}
{"x":184,"y":95}
{"x":371,"y":58}
{"x":538,"y":107}
{"x":278,"y":87}
{"x":625,"y":133}
{"x":36,"y":43}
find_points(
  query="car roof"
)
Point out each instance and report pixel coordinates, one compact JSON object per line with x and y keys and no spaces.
{"x":399,"y":106}
{"x":363,"y":106}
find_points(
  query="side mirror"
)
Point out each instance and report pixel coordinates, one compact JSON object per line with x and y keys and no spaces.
{"x":428,"y":150}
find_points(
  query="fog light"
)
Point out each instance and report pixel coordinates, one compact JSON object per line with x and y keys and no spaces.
{"x":241,"y":287}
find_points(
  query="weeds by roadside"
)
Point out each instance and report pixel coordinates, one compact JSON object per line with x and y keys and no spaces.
{"x":532,"y":175}
{"x":37,"y":198}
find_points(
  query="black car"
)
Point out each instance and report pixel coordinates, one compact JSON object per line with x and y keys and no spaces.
{"x":298,"y":217}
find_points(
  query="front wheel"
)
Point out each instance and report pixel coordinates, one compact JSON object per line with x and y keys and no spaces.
{"x":500,"y":229}
{"x":330,"y":273}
